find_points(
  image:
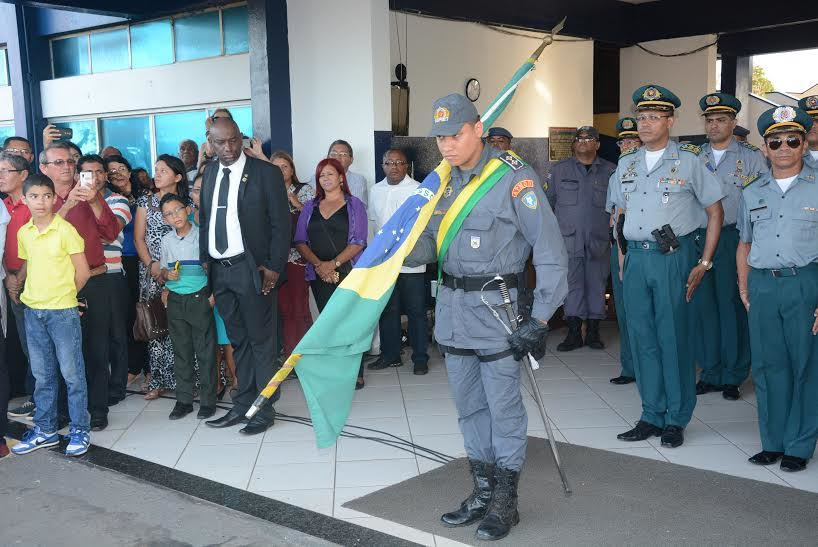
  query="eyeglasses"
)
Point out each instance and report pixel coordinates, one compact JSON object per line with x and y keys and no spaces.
{"x":792,"y":142}
{"x":394,"y":163}
{"x":168,"y":214}
{"x":18,"y":150}
{"x":652,"y":118}
{"x":4,"y":172}
{"x":339,"y":154}
{"x":115,"y":170}
{"x":61,"y":163}
{"x":584,"y":140}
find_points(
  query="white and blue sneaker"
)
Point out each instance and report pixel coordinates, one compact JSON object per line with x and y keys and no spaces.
{"x":34,"y":439}
{"x":78,"y":442}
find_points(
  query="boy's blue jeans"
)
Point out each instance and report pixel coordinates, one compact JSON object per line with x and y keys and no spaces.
{"x":55,"y":348}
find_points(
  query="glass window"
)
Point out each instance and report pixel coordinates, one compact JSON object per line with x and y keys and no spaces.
{"x":151,"y":44}
{"x":133,"y":138}
{"x":109,"y":50}
{"x":70,"y":56}
{"x":171,"y":129}
{"x":6,"y":131}
{"x":243,"y":115}
{"x":4,"y":67}
{"x":234,"y":21}
{"x":197,"y":36}
{"x":85,"y":134}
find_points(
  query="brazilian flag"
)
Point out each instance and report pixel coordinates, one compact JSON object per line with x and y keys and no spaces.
{"x":329,"y":355}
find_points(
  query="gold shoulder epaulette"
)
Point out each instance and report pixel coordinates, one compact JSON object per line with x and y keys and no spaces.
{"x":690,"y":148}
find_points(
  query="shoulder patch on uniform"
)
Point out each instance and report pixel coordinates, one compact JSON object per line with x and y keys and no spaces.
{"x":687,"y":147}
{"x":751,"y":180}
{"x":628,"y":152}
{"x":529,"y":199}
{"x":749,"y":146}
{"x":520,"y":186}
{"x":512,"y":160}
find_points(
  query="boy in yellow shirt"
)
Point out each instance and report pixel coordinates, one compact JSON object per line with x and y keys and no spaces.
{"x":55,"y":269}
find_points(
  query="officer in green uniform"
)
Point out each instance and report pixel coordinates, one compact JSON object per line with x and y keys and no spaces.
{"x":810,"y":106}
{"x":627,"y":138}
{"x":778,"y":282}
{"x":663,"y":186}
{"x":511,"y":222}
{"x":719,"y":335}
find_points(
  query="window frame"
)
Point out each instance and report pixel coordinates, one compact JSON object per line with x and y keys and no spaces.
{"x":87,"y":33}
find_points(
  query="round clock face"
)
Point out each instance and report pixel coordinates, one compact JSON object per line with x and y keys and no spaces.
{"x":473,"y":89}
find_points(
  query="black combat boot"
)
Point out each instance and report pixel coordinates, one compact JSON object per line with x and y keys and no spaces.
{"x":592,"y":339}
{"x":502,"y":514}
{"x":476,"y":505}
{"x":574,"y":339}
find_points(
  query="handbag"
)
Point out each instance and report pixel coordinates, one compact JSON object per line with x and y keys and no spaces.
{"x":346,"y":265}
{"x":151,"y":316}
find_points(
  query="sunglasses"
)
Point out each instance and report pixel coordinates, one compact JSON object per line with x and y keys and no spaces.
{"x":792,"y":142}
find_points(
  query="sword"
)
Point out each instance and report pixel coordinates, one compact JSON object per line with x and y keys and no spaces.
{"x":530,"y":365}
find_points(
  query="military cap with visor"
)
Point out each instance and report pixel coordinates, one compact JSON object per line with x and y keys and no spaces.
{"x":783,"y":119}
{"x":450,"y":114}
{"x":655,"y":97}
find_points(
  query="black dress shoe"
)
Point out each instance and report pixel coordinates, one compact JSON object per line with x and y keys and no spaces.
{"x":791,"y":464}
{"x":673,"y":436}
{"x":205,"y":412}
{"x":421,"y":369}
{"x":704,"y":387}
{"x":180,"y":410}
{"x":765,"y":457}
{"x":99,"y":423}
{"x":622,"y":380}
{"x":382,"y":363}
{"x":233,"y":417}
{"x":257,"y":425}
{"x":731,"y":393}
{"x":642,"y":431}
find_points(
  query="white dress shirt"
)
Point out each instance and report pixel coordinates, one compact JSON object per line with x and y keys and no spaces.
{"x":235,"y":245}
{"x":385,"y":199}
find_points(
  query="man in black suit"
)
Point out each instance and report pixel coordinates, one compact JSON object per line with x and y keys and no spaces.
{"x":244,"y":238}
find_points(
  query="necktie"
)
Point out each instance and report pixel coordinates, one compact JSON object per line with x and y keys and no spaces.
{"x":221,"y":212}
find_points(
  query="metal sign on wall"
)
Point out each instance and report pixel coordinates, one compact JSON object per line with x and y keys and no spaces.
{"x":560,"y":140}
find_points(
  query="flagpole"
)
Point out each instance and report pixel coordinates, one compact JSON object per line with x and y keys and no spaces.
{"x":498,"y":103}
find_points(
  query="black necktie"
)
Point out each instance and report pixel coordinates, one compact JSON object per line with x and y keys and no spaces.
{"x":221,"y":212}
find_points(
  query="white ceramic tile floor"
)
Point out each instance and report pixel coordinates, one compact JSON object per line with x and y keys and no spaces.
{"x":587,"y":409}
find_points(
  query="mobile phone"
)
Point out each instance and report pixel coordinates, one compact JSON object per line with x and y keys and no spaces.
{"x":82,"y":303}
{"x":86,"y":179}
{"x":247,"y":142}
{"x":66,"y":133}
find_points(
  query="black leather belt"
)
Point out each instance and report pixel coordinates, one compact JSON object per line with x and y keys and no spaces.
{"x":469,"y":352}
{"x":476,"y":283}
{"x":232,"y":261}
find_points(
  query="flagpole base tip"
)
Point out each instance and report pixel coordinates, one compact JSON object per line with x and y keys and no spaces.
{"x":255,"y":407}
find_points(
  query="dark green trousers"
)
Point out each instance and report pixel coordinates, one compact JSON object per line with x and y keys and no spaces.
{"x":654,"y":289}
{"x":193,"y":333}
{"x":625,"y":357}
{"x":785,"y":359}
{"x":719,"y":331}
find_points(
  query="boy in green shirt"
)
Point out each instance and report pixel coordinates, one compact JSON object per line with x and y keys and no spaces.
{"x":190,"y":314}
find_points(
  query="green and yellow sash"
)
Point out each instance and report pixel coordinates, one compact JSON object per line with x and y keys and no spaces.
{"x":474,"y":191}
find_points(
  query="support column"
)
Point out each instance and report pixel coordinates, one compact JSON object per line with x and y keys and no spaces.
{"x":270,"y":73}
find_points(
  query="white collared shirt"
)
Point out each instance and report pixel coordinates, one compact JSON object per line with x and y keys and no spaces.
{"x":235,"y":245}
{"x":385,"y":199}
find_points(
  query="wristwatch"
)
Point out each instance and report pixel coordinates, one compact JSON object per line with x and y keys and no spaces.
{"x":337,"y":264}
{"x":708,"y":264}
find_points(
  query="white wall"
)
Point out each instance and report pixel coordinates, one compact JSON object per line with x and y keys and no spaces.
{"x":757,"y":107}
{"x":690,"y":77}
{"x":339,"y":79}
{"x":206,"y":81}
{"x":6,"y":106}
{"x":441,"y":56}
